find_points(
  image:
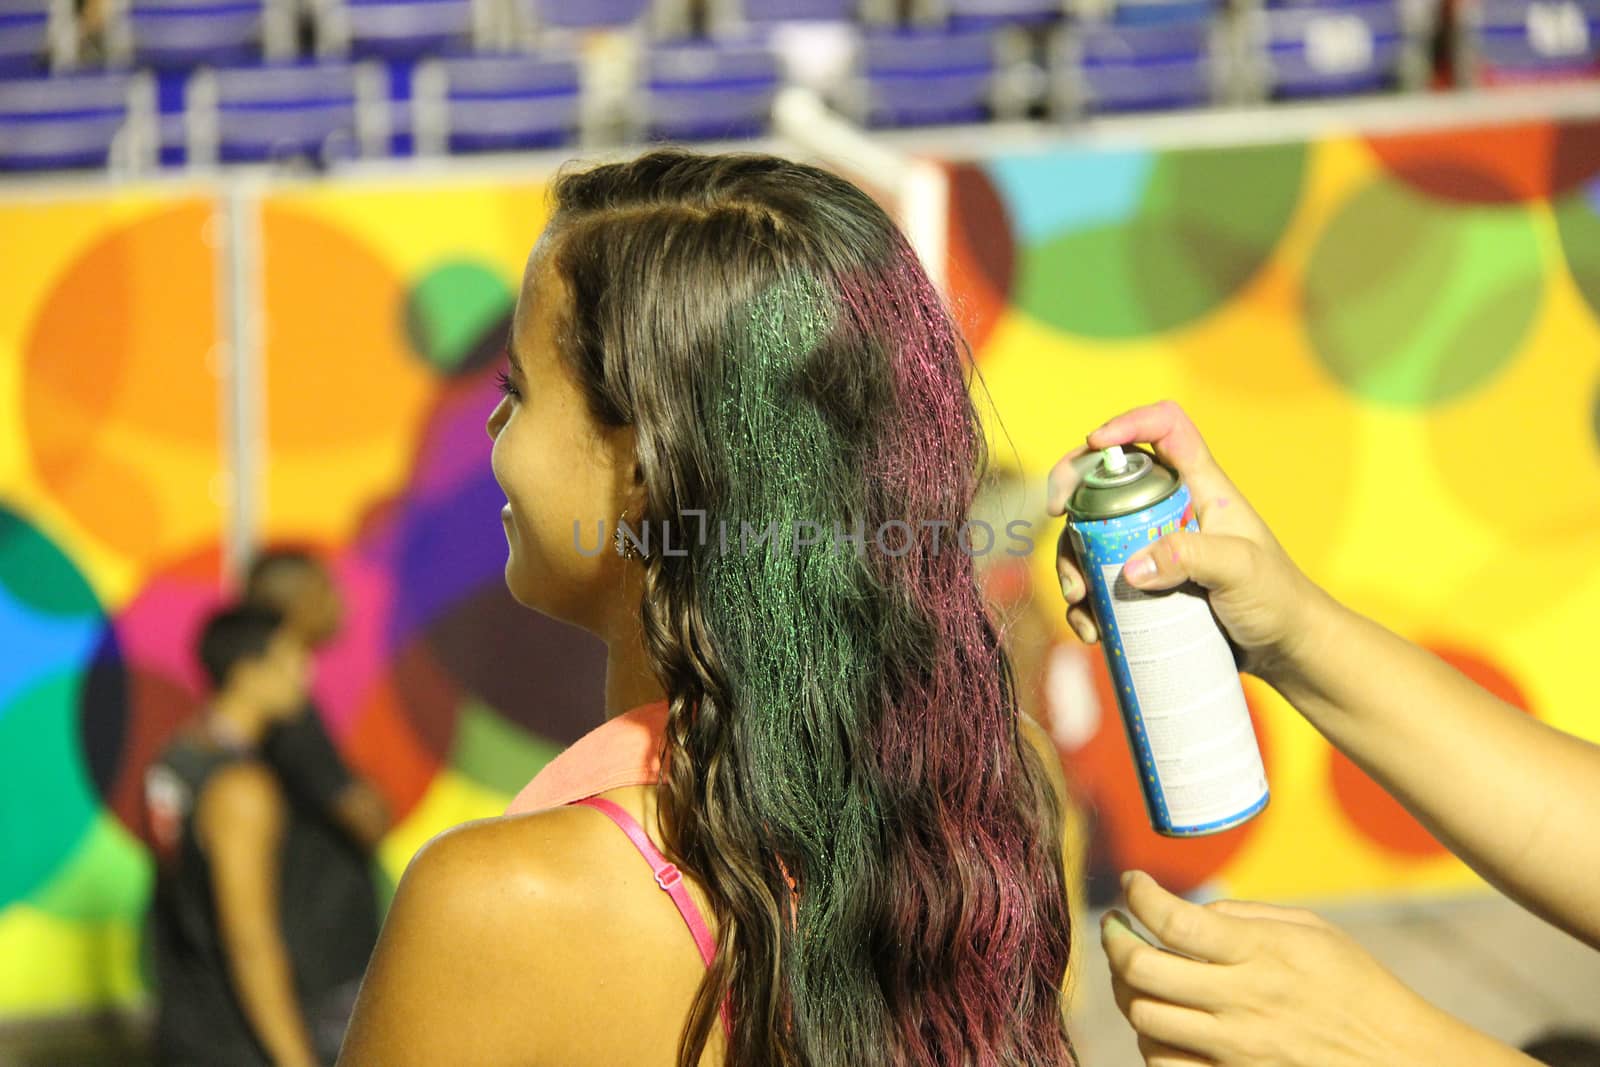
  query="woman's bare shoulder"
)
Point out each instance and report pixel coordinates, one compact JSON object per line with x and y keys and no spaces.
{"x":483,"y":918}
{"x":504,"y":858}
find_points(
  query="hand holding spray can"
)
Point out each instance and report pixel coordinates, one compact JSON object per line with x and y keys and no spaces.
{"x":1177,"y":684}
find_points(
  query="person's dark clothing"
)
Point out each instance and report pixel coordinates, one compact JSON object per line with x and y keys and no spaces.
{"x":327,"y":906}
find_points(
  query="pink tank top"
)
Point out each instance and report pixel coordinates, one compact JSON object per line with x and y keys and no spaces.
{"x":623,"y":751}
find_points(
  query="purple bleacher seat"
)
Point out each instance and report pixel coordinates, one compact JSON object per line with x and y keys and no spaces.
{"x":1532,"y":40}
{"x":920,"y":76}
{"x":67,"y":121}
{"x":588,"y":14}
{"x":1332,"y":48}
{"x":988,"y":14}
{"x":172,"y":136}
{"x":173,"y":140}
{"x":180,"y":34}
{"x":316,"y":111}
{"x":406,"y":28}
{"x":1103,"y":67}
{"x":705,"y":91}
{"x":24,"y":38}
{"x":1157,"y":12}
{"x":797,"y":10}
{"x":496,"y":103}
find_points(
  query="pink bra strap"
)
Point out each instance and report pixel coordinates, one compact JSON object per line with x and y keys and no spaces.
{"x":669,"y":878}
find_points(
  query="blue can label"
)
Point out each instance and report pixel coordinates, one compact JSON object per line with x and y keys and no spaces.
{"x":1177,"y":684}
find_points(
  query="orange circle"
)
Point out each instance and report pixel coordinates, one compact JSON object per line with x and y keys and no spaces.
{"x":122,"y":338}
{"x":119,"y":395}
{"x":339,"y":365}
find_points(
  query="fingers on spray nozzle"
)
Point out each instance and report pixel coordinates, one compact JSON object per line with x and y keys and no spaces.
{"x":1062,"y":480}
{"x":1096,"y":438}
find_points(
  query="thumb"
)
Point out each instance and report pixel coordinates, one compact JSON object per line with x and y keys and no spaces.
{"x":1216,"y":561}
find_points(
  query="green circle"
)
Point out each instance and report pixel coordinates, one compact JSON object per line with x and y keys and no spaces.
{"x":1578,"y":221}
{"x":34,"y":573}
{"x":107,"y":876}
{"x":1412,"y":302}
{"x":1205,"y":223}
{"x":46,"y":798}
{"x":453,"y":309}
{"x":1594,"y":417}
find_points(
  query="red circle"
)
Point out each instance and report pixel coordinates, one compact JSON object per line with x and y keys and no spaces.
{"x":1104,"y":776}
{"x":402,"y":727}
{"x":981,"y":257}
{"x":1502,"y":164}
{"x":166,"y":686}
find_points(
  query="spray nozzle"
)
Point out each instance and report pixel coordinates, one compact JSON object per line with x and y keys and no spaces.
{"x":1114,"y":460}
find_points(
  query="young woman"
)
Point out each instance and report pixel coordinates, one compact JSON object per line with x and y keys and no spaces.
{"x":736,"y":363}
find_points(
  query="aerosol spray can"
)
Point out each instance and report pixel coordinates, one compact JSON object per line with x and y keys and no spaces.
{"x":1176,"y":680}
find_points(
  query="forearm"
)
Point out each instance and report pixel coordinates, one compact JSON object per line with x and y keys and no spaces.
{"x":261,"y":973}
{"x":1441,"y":1040}
{"x":1514,"y":798}
{"x":1404,"y":1030}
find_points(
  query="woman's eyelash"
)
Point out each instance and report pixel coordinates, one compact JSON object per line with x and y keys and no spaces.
{"x":506,"y":386}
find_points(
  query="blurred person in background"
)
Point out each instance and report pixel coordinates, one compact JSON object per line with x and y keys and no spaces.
{"x":294,"y":582}
{"x":263,"y":916}
{"x":1254,"y":985}
{"x":91,"y":26}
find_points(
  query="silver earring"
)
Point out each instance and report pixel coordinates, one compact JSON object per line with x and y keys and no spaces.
{"x":624,"y":547}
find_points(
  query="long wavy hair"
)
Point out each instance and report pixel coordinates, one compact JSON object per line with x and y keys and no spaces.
{"x":842,"y":712}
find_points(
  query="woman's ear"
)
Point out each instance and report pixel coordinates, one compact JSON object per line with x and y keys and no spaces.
{"x":628,"y":465}
{"x":619,"y":453}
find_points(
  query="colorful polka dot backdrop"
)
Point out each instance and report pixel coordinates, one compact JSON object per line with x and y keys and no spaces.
{"x":1393,"y":344}
{"x":382,"y":315}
